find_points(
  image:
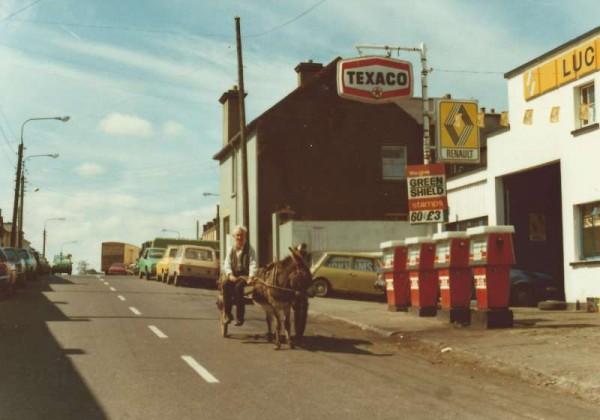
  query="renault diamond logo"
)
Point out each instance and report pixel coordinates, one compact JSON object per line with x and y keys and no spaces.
{"x":459,"y":125}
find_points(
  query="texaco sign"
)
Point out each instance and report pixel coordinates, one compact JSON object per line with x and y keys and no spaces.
{"x":374,"y":79}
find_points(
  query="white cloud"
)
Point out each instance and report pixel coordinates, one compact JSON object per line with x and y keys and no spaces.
{"x":118,"y":124}
{"x":172,"y":129}
{"x":89,"y":169}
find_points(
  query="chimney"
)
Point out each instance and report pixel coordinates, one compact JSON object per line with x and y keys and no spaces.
{"x":482,"y":110}
{"x":447,"y":96}
{"x":307,"y":71}
{"x":231,"y":113}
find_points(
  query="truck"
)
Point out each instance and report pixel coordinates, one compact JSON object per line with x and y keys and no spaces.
{"x":62,"y":264}
{"x":152,"y":251}
{"x":118,"y":252}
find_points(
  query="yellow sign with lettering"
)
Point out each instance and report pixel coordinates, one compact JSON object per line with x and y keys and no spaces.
{"x":570,"y":66}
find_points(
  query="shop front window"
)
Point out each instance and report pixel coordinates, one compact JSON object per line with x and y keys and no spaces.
{"x":590,"y":234}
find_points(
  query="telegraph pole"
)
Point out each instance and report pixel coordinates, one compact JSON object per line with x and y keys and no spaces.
{"x":245,"y":198}
{"x":13,"y":231}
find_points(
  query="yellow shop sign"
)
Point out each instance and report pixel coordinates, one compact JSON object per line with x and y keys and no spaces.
{"x":570,"y":66}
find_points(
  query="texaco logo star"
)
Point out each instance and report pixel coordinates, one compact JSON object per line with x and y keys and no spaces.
{"x":377,"y":92}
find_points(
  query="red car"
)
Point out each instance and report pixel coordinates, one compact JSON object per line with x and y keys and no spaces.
{"x":118,"y":269}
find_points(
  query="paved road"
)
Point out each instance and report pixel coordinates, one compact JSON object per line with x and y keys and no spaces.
{"x":88,"y":347}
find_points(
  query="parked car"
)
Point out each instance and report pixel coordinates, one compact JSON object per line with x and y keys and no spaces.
{"x":527,"y":288}
{"x":62,"y":264}
{"x":118,"y":269}
{"x":194,"y":263}
{"x":148,"y":260}
{"x":162,"y":266}
{"x":44,"y":266}
{"x":18,"y":263}
{"x":8,"y":275}
{"x":347,"y":272}
{"x":30,"y":263}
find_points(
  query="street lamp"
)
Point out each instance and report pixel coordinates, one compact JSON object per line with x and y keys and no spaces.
{"x":44,"y":242}
{"x":13,"y":232}
{"x":64,"y":243}
{"x":53,"y":156}
{"x":169,"y":230}
{"x":206,"y":194}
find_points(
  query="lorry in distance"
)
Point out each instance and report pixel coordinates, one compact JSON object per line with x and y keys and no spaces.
{"x":118,"y":252}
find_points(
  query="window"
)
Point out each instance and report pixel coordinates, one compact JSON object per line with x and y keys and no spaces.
{"x":364,"y":264}
{"x":339,"y":262}
{"x":590,"y":226}
{"x":393,"y":162}
{"x":586,"y":109}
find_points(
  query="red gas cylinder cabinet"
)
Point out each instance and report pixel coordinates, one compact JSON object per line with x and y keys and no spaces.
{"x":395,"y":274}
{"x":423,"y":277}
{"x":491,"y":255}
{"x":454,"y":276}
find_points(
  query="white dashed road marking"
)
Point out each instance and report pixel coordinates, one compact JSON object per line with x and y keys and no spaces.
{"x":113,"y":289}
{"x":122,"y":298}
{"x":158,"y":332}
{"x":135,"y":311}
{"x":200,"y":370}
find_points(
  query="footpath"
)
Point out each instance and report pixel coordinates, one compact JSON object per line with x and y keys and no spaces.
{"x":550,"y":348}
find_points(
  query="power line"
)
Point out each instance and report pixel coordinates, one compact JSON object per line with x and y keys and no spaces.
{"x":20,"y":10}
{"x":466,"y":71}
{"x":307,"y":11}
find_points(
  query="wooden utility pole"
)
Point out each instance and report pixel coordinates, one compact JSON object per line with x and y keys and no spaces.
{"x":245,"y":198}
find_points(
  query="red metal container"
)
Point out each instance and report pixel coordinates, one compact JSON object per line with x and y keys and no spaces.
{"x":395,"y":274}
{"x":423,"y":277}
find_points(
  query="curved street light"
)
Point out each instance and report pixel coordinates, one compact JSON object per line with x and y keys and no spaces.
{"x":13,"y":233}
{"x":170,"y":230}
{"x":21,"y":233}
{"x":206,"y":194}
{"x":44,"y":242}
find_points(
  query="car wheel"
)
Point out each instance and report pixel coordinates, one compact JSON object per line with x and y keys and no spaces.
{"x":147,"y":275}
{"x":321,"y":287}
{"x":552,"y":305}
{"x":521,"y":295}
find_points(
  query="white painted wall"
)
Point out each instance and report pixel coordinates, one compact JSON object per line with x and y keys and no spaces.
{"x":352,"y":236}
{"x":527,"y":146}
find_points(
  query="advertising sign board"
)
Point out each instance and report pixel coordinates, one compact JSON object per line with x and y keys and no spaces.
{"x":457,"y":132}
{"x":374,"y":80}
{"x":427,"y":202}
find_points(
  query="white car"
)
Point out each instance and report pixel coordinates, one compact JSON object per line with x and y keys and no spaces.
{"x":194,"y":263}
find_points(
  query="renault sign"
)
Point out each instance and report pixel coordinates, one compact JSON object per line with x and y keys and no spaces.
{"x":374,"y":79}
{"x":457,"y":132}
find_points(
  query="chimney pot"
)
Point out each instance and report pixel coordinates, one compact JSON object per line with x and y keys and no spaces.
{"x":307,"y":71}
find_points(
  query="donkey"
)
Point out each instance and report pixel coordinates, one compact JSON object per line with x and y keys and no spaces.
{"x":278,"y":286}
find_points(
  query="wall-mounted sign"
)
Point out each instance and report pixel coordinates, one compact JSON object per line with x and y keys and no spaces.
{"x":572,"y":65}
{"x":427,"y":202}
{"x":457,"y":132}
{"x":374,"y":79}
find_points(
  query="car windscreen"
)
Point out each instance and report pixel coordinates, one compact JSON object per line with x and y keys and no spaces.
{"x":23,"y":254}
{"x":12,"y":255}
{"x":198,"y":254}
{"x":156,"y":254}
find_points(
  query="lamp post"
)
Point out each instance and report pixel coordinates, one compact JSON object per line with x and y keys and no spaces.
{"x":170,"y":230}
{"x":13,"y":233}
{"x":53,"y":156}
{"x":44,"y":241}
{"x":206,"y":194}
{"x":63,"y":244}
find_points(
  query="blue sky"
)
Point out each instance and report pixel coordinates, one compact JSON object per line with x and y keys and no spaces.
{"x":141,"y":82}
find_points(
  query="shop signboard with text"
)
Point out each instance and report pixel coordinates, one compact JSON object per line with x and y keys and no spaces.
{"x":376,"y":80}
{"x":427,"y":202}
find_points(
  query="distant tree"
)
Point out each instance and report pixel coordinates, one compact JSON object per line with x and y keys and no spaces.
{"x":82,"y":267}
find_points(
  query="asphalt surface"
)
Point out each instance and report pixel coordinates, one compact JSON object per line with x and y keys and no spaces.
{"x":87,"y":347}
{"x":554,"y":349}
